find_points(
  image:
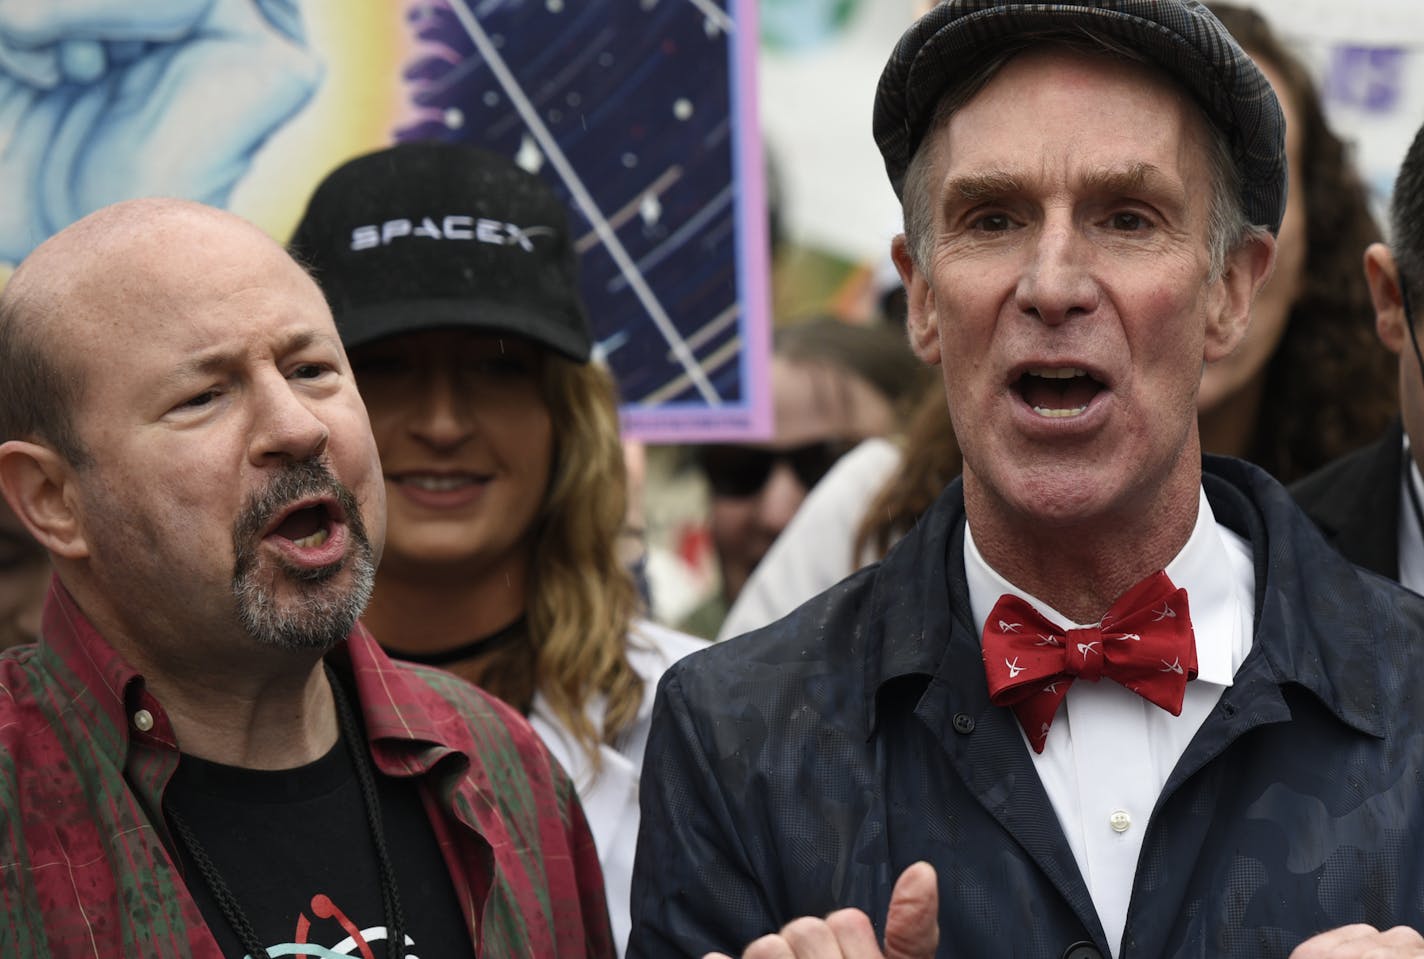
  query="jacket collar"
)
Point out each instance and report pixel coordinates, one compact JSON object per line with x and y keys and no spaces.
{"x":919,"y":605}
{"x":919,"y":587}
{"x":1320,"y":620}
{"x":1359,"y":508}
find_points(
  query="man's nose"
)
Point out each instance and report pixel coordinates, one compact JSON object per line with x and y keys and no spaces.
{"x":1057,"y":282}
{"x":439,"y":417}
{"x":285,"y":424}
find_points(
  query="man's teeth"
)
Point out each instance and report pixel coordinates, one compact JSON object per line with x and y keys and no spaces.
{"x":315,"y":539}
{"x":437,"y":484}
{"x":1058,"y":373}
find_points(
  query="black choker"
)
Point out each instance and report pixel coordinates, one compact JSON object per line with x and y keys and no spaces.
{"x":395,"y":916}
{"x":499,"y":639}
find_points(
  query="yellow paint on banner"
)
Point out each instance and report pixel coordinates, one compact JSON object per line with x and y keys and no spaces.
{"x":363,"y":46}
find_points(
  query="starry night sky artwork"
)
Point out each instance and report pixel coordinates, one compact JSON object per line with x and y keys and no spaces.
{"x":641,"y":114}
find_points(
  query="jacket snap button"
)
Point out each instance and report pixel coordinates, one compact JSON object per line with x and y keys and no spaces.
{"x":963,"y":723}
{"x":1082,"y":950}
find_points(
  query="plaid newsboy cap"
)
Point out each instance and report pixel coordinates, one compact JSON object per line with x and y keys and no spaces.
{"x":1181,"y":37}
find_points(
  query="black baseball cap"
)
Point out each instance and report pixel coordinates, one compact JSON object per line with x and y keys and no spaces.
{"x":1181,"y":37}
{"x":426,"y":236}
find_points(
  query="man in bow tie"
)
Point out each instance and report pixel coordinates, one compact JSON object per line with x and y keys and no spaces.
{"x":1120,"y":702}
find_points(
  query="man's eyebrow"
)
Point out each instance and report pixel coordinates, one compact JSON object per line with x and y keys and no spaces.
{"x":217,"y":360}
{"x":1138,"y":178}
{"x":974,"y":187}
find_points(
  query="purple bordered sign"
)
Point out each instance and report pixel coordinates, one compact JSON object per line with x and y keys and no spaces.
{"x":642,"y":113}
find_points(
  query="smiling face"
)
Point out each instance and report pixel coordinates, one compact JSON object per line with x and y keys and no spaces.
{"x":466,"y":441}
{"x":233,"y":485}
{"x":1067,"y":293}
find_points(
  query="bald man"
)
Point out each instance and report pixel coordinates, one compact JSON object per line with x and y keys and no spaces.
{"x":206,"y":754}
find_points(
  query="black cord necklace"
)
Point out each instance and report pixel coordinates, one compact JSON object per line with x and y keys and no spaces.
{"x":498,"y":639}
{"x":390,"y":895}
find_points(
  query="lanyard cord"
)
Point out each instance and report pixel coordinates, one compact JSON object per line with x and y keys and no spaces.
{"x":390,"y":895}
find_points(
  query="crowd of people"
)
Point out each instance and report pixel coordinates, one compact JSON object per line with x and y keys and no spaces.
{"x":1076,"y":612}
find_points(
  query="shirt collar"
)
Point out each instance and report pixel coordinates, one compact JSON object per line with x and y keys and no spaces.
{"x":103,"y":690}
{"x":1411,"y":535}
{"x":400,"y":708}
{"x":1202,"y":567}
{"x":103,"y":686}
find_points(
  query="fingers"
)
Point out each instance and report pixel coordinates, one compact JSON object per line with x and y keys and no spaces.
{"x":810,"y":938}
{"x":845,"y":934}
{"x":854,"y":933}
{"x":911,"y":928}
{"x":912,"y":924}
{"x":1361,"y":941}
{"x":795,"y":941}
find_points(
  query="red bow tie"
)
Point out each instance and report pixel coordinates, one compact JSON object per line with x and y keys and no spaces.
{"x":1144,"y":642}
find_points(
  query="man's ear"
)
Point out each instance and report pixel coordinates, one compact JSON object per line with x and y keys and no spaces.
{"x":38,"y":483}
{"x":1382,"y":275}
{"x":921,"y":319}
{"x":1246,"y":270}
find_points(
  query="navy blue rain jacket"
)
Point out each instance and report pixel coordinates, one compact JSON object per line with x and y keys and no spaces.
{"x":802,"y":767}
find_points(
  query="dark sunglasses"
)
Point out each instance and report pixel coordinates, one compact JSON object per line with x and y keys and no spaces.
{"x":744,"y":470}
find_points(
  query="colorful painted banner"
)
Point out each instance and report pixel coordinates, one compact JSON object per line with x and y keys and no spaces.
{"x":641,"y":113}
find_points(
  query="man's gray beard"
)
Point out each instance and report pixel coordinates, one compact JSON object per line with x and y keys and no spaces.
{"x":323,"y":616}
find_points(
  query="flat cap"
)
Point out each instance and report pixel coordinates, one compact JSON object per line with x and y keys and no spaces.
{"x":1180,"y":37}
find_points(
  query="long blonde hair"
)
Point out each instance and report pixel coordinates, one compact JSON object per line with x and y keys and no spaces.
{"x":582,"y":599}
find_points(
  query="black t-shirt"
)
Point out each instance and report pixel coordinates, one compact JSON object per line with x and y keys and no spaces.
{"x":294,"y":848}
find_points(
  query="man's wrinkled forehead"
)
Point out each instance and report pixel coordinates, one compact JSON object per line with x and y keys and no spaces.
{"x":1058,"y":81}
{"x":151,"y":294}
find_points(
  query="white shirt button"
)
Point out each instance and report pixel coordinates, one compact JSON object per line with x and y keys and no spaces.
{"x":143,"y":720}
{"x":1120,"y":821}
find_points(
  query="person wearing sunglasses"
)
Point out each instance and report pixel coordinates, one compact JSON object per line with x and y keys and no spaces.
{"x":833,"y":385}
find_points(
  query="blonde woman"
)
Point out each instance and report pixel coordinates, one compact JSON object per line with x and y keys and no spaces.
{"x":452,"y":279}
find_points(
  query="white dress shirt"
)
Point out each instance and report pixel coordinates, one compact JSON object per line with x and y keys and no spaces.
{"x":1411,"y":537}
{"x":1109,"y":751}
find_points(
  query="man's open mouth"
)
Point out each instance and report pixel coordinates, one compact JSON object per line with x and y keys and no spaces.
{"x":308,"y":525}
{"x":1058,"y":391}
